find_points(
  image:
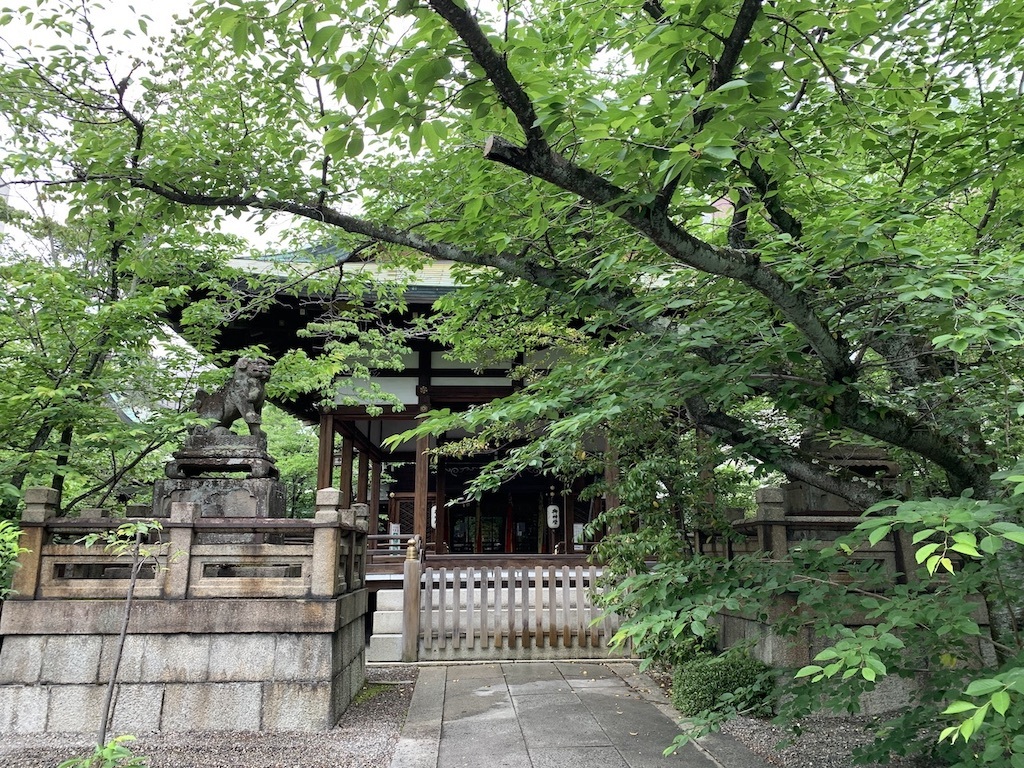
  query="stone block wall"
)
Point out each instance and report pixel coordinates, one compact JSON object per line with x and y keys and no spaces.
{"x":213,"y":672}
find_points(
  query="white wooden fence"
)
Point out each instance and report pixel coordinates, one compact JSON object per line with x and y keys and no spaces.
{"x":544,"y":611}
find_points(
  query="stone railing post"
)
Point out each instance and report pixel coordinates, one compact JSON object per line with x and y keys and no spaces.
{"x":357,"y":575}
{"x":771,"y":512}
{"x":411,"y":604}
{"x":179,"y":553}
{"x":41,"y":504}
{"x":324,"y":577}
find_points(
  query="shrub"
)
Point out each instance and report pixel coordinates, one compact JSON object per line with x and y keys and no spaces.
{"x":684,"y":649}
{"x":733,"y":682}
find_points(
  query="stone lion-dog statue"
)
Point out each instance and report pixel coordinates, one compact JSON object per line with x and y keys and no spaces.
{"x":241,"y":398}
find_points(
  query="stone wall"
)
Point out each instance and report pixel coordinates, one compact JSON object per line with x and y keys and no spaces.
{"x":213,"y":674}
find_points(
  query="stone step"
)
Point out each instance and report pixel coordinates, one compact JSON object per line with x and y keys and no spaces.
{"x":387,"y":622}
{"x":390,"y":600}
{"x":385,"y":647}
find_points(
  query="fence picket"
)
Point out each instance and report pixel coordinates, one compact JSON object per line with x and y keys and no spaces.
{"x":552,"y":608}
{"x":456,"y":607}
{"x":594,"y":627}
{"x":428,"y":608}
{"x":581,"y":617}
{"x":470,"y":612}
{"x":566,"y":609}
{"x":442,"y":623}
{"x":525,"y":601}
{"x":511,"y":608}
{"x":498,"y":608}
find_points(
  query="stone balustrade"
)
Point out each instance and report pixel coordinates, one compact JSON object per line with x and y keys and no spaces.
{"x":195,"y":557}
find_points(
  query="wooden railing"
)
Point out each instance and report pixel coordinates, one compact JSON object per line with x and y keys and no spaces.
{"x":385,"y":552}
{"x":196,"y":557}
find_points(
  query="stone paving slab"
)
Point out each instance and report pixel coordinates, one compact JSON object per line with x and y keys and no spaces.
{"x":549,"y":715}
{"x":558,"y":720}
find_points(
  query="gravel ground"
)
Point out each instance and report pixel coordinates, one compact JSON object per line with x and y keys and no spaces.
{"x":824,"y":742}
{"x":367,"y":733}
{"x":365,"y":737}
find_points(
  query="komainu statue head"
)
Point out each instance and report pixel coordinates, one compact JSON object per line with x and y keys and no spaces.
{"x":241,"y":398}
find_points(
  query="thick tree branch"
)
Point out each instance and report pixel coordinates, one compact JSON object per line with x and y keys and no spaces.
{"x":832,"y":350}
{"x":858,"y":491}
{"x":495,"y":66}
{"x":726,"y":63}
{"x":891,"y":426}
{"x":721,"y":73}
{"x":767,"y":190}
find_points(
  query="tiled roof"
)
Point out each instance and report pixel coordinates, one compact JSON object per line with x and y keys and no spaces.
{"x":426,"y":284}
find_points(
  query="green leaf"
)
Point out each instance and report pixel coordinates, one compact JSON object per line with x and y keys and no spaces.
{"x":354,"y":91}
{"x":810,"y":669}
{"x":965,"y":549}
{"x":958,"y":707}
{"x":983,"y":687}
{"x":879,"y":533}
{"x":240,"y":36}
{"x":991,"y":545}
{"x":732,"y":85}
{"x":1001,"y":702}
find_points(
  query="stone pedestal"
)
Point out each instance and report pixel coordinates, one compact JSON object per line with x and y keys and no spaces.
{"x":222,"y":452}
{"x":222,"y":496}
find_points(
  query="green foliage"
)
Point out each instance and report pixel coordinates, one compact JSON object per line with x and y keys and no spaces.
{"x":925,"y":629}
{"x":127,"y":540}
{"x":294,"y":447}
{"x":86,"y":404}
{"x":112,"y":754}
{"x":733,"y":681}
{"x":734,"y":225}
{"x":9,"y":552}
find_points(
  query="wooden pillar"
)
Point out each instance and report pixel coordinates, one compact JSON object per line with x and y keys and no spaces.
{"x":441,"y":521}
{"x":325,"y":454}
{"x":568,"y":517}
{"x":375,"y":473}
{"x":345,"y":480}
{"x":411,"y":605}
{"x":363,"y":478}
{"x":422,"y":486}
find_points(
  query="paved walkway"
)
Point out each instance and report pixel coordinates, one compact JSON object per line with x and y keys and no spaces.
{"x":549,"y":715}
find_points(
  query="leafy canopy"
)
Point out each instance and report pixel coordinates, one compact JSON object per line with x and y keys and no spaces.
{"x":729,"y":224}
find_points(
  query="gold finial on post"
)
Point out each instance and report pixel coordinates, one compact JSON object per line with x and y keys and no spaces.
{"x":410,"y":552}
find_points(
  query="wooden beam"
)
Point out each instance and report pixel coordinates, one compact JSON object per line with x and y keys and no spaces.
{"x":325,"y":452}
{"x":375,"y":475}
{"x":611,"y":478}
{"x":568,"y":515}
{"x":363,"y":477}
{"x":441,"y":521}
{"x":468,"y":393}
{"x":358,"y":412}
{"x":363,"y":443}
{"x":345,"y":481}
{"x":422,"y":485}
